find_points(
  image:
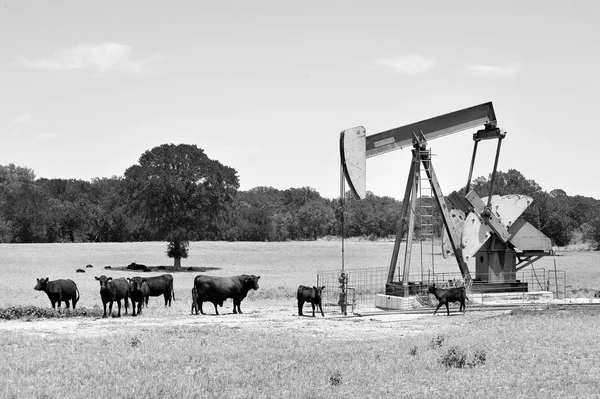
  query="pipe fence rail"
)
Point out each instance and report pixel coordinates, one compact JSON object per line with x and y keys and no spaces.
{"x":356,"y":292}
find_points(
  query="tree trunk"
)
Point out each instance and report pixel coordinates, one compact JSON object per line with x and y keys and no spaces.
{"x":177,"y":265}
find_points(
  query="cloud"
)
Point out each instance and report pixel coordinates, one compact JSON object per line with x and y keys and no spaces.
{"x":408,"y":63}
{"x":101,"y":58}
{"x":507,"y":69}
{"x":22,"y":119}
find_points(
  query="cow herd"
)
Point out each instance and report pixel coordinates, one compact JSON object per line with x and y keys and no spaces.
{"x":206,"y":289}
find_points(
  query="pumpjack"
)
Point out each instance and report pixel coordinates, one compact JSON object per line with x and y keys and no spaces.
{"x":487,"y":231}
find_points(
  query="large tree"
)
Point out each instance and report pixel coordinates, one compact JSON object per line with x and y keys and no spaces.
{"x":180,"y":192}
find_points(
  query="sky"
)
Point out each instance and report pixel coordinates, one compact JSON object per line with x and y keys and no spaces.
{"x":267,"y":86}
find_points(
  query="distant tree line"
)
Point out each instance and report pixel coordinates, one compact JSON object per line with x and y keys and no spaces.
{"x":207,"y":205}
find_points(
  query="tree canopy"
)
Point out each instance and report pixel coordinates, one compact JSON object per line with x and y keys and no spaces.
{"x":177,"y":194}
{"x":180,"y":192}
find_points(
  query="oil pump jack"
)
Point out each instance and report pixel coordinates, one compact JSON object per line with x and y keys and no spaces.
{"x":486,"y":231}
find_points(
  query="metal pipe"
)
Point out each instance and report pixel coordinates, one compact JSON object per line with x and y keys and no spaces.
{"x":472,"y":166}
{"x":494,"y":171}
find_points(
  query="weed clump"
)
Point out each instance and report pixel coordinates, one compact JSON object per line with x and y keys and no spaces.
{"x":456,"y":357}
{"x":413,"y":351}
{"x":34,"y":312}
{"x":335,"y":378}
{"x":437,"y":342}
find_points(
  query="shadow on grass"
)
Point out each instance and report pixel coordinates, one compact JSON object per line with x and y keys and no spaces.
{"x":163,"y":269}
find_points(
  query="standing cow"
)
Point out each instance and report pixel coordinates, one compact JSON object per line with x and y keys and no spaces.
{"x":218,"y":289}
{"x":160,"y":285}
{"x":59,"y":291}
{"x":113,"y":290}
{"x":445,"y":296}
{"x":312,"y":296}
{"x":138,"y":293}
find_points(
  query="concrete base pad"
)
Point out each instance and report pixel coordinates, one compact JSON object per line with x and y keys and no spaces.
{"x":510,"y":297}
{"x":389,"y":302}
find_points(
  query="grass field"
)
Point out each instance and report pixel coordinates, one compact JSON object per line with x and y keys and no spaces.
{"x":270,"y":352}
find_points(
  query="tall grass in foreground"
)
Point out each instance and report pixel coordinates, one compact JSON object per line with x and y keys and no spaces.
{"x":528,"y":354}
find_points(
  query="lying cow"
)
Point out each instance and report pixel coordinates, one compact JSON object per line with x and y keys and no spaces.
{"x":59,"y":291}
{"x":113,"y":291}
{"x":312,"y":296}
{"x":445,"y":296}
{"x":218,"y":289}
{"x":138,"y":293}
{"x":160,"y":285}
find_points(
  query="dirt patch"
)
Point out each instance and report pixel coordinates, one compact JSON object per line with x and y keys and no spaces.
{"x":272,"y":319}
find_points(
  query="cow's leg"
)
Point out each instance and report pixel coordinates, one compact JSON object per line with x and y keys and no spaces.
{"x":126,"y":304}
{"x":133,"y":307}
{"x":139,"y":305}
{"x":217,"y":310}
{"x":313,"y":308}
{"x":321,"y":309}
{"x":119,"y":308}
{"x":67,"y":303}
{"x":300,"y":306}
{"x":110,"y":308}
{"x":238,"y":305}
{"x":447,"y":309}
{"x":438,"y":306}
{"x":104,"y":315}
{"x":200,"y":306}
{"x":53,"y":304}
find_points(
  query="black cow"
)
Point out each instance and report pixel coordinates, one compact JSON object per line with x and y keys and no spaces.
{"x":218,"y":289}
{"x":445,"y":296}
{"x":59,"y":291}
{"x":160,"y":285}
{"x":312,"y":296}
{"x":113,"y":290}
{"x":138,"y":293}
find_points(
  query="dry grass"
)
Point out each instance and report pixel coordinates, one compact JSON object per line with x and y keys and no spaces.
{"x":527,"y":355}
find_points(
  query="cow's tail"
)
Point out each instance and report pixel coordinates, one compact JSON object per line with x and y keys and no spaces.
{"x":173,"y":291}
{"x":77,"y":299}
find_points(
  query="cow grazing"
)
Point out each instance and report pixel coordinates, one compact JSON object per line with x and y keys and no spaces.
{"x":113,"y":291}
{"x":138,"y":293}
{"x":312,"y":296}
{"x":445,"y":296}
{"x":160,"y":285}
{"x":59,"y":291}
{"x":218,"y":289}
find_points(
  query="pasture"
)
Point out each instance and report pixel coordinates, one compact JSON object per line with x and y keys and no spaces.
{"x":271,"y":352}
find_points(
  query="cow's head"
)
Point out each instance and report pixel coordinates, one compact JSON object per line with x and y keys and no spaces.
{"x":318,"y":291}
{"x":431,"y":288}
{"x":135,"y":284}
{"x":41,"y":284}
{"x":251,"y":282}
{"x":103,"y":281}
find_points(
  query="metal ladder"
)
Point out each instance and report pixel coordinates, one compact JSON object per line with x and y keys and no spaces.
{"x":426,"y":225}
